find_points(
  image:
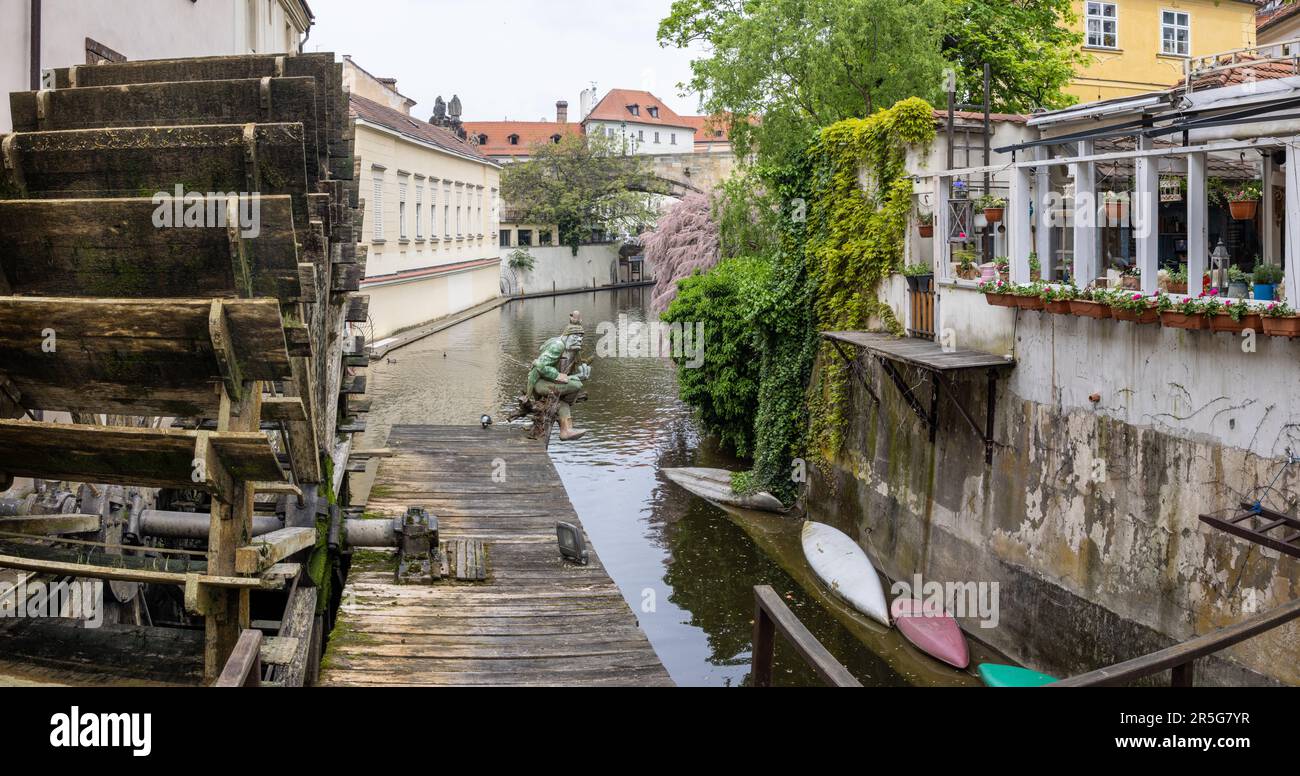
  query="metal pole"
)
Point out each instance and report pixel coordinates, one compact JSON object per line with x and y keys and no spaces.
{"x":988,"y":180}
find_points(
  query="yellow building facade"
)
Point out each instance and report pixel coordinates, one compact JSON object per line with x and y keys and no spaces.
{"x":1138,"y":46}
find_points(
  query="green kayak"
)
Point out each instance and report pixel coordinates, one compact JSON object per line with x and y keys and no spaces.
{"x":995,"y":675}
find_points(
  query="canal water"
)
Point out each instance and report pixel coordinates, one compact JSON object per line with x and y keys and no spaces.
{"x":686,"y":567}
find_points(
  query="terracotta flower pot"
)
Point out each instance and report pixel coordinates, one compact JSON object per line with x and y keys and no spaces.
{"x":1176,"y":320}
{"x":1029,"y":303}
{"x":1178,"y":288}
{"x":993,"y":214}
{"x":1243,"y":209}
{"x":1149,"y":315}
{"x":1224,"y":322}
{"x":1059,"y":306}
{"x":1001,"y":300}
{"x":1086,"y":309}
{"x":1131,"y":282}
{"x":1282,"y":327}
{"x":926,"y":230}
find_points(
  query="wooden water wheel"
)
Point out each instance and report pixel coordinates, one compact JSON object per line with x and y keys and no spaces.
{"x":196,"y":368}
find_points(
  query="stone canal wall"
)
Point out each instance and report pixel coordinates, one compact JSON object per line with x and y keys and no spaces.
{"x":1087,"y":517}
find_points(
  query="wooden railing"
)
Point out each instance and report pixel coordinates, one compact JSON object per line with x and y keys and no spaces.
{"x":921,"y":321}
{"x":244,"y":668}
{"x":771,"y":616}
{"x":1181,"y":658}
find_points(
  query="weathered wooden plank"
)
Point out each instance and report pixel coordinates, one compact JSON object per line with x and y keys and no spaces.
{"x":269,"y":549}
{"x":179,"y":103}
{"x":535,"y":620}
{"x":143,"y":161}
{"x":114,"y":248}
{"x":133,"y":357}
{"x":283,"y":408}
{"x":159,"y":458}
{"x":51,"y":525}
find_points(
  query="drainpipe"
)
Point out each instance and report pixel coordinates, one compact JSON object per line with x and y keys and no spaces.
{"x":36,"y":44}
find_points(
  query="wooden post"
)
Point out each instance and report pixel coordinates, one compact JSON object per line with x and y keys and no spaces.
{"x":1145,"y":213}
{"x":764,"y":646}
{"x":1268,"y":213}
{"x":1183,"y":675}
{"x":1085,"y":217}
{"x":231,"y":528}
{"x":1198,"y":237}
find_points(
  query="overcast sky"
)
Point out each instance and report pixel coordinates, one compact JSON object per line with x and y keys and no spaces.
{"x":507,"y":59}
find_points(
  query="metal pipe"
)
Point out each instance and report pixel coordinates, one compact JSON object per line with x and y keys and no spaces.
{"x":36,"y":45}
{"x":370,"y":533}
{"x":193,"y":525}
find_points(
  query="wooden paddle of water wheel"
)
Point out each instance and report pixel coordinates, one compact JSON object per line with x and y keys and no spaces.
{"x":197,"y":371}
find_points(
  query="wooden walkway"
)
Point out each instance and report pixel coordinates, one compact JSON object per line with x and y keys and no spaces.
{"x":536,"y":621}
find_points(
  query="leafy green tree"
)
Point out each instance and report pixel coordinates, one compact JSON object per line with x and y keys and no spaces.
{"x":800,"y":65}
{"x":582,"y":184}
{"x":803,"y":64}
{"x":1032,"y":48}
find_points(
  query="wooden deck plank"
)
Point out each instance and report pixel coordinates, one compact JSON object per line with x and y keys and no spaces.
{"x":919,"y":352}
{"x":536,"y":620}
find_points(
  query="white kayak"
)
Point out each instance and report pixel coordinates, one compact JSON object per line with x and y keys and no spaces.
{"x":842,"y":565}
{"x":715,"y":485}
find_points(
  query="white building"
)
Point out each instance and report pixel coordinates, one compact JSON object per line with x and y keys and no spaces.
{"x":77,"y":32}
{"x":639,"y":122}
{"x":431,"y":214}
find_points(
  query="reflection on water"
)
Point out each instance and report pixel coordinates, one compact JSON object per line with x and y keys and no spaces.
{"x":685,"y":567}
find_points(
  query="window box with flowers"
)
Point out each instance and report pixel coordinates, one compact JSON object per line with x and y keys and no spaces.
{"x":998,"y":293}
{"x":1186,"y":314}
{"x":994,"y":207}
{"x":1134,"y":308}
{"x":1280,"y":320}
{"x":1243,"y":201}
{"x":1091,"y":303}
{"x":1234,"y":316}
{"x":1029,"y":297}
{"x":1056,"y":299}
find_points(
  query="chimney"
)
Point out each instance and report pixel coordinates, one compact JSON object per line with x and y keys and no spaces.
{"x":562,"y":112}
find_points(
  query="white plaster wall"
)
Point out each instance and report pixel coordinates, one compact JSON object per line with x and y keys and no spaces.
{"x":557,"y":269}
{"x":617,"y":130}
{"x":1198,"y":385}
{"x":399,"y":306}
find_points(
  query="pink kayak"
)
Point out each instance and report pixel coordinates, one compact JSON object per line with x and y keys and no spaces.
{"x":931,"y":630}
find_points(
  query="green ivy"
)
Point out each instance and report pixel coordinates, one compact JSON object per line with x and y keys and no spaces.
{"x":856,"y":237}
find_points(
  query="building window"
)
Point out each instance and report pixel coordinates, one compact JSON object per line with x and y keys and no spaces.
{"x":635,"y":110}
{"x":419,"y":212}
{"x":1103,"y":25}
{"x":640,"y":135}
{"x":505,"y":238}
{"x":446,"y":210}
{"x":433,"y":209}
{"x":672,"y":138}
{"x":525,"y":238}
{"x":656,"y":138}
{"x":482,"y":140}
{"x":1175,"y":33}
{"x":514,"y":140}
{"x":376,"y":207}
{"x":460,"y":232}
{"x":654,"y":112}
{"x":401,"y":210}
{"x":544,"y":237}
{"x":555,"y":139}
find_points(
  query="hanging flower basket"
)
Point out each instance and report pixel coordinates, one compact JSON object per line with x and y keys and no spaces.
{"x":1243,"y":209}
{"x":926,"y":230}
{"x":993,"y":214}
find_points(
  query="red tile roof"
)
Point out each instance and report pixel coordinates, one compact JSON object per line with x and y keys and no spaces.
{"x":941,"y":116}
{"x":530,"y":134}
{"x":709,"y":129}
{"x":1244,"y":72}
{"x":374,"y":113}
{"x":1266,"y":19}
{"x":614,"y":107}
